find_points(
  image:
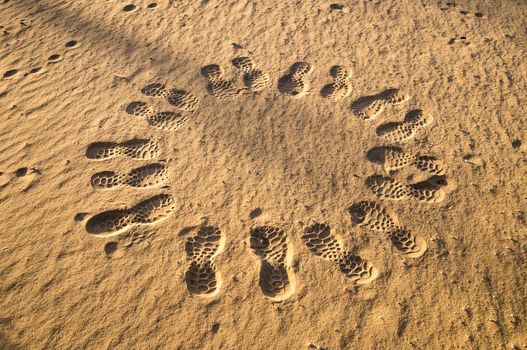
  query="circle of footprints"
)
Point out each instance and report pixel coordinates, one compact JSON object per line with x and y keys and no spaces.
{"x":270,"y":244}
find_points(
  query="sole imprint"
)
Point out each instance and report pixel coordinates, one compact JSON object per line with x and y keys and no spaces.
{"x":321,"y":242}
{"x":143,"y":177}
{"x":270,"y":244}
{"x":295,"y":82}
{"x":376,"y":217}
{"x":407,"y":129}
{"x":390,"y":188}
{"x":370,"y":107}
{"x":141,"y":149}
{"x":168,"y":121}
{"x":202,"y":276}
{"x":341,"y":85}
{"x":217,"y":85}
{"x":394,"y":158}
{"x":254,"y":78}
{"x":149,"y":211}
{"x":181,"y":99}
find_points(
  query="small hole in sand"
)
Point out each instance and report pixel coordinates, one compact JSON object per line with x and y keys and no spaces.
{"x":452,"y":41}
{"x":80,"y":216}
{"x":110,"y":248}
{"x":463,"y":12}
{"x":255,"y":213}
{"x":215,"y":328}
{"x":71,"y":44}
{"x":21,"y":172}
{"x":35,"y":70}
{"x":336,"y":7}
{"x":478,"y":14}
{"x":463,"y":37}
{"x":10,"y":73}
{"x":129,"y":8}
{"x":516,"y":144}
{"x":54,"y":58}
{"x":152,"y":5}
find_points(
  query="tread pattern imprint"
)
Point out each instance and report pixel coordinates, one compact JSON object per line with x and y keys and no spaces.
{"x":328,"y":246}
{"x":295,"y":82}
{"x":202,"y":276}
{"x":217,"y":85}
{"x":270,"y":245}
{"x":385,"y":187}
{"x":147,"y":212}
{"x":255,"y":79}
{"x":341,"y":85}
{"x":140,"y":149}
{"x":181,"y":99}
{"x":168,"y":121}
{"x":375,"y":217}
{"x":395,"y":158}
{"x":143,"y":177}
{"x":370,"y":107}
{"x":407,"y":129}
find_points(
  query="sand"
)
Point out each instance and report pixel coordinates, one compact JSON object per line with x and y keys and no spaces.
{"x":225,"y":222}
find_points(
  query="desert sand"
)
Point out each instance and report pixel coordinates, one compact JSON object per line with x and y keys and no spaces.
{"x":263,"y":174}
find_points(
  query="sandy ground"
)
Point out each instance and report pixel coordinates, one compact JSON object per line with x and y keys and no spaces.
{"x":235,"y":160}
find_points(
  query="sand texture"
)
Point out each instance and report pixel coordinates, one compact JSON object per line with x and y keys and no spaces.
{"x":263,"y":174}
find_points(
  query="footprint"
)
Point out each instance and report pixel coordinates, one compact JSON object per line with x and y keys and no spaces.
{"x":376,"y":217}
{"x":143,"y":177}
{"x":149,"y":211}
{"x":217,"y":85}
{"x":254,"y":78}
{"x":202,"y":276}
{"x":394,"y":158}
{"x":140,"y":149}
{"x":390,"y":188}
{"x":270,"y":244}
{"x":181,"y":99}
{"x":168,"y":121}
{"x":295,"y":82}
{"x":321,"y":242}
{"x":370,"y":107}
{"x":407,"y":129}
{"x":341,"y":85}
